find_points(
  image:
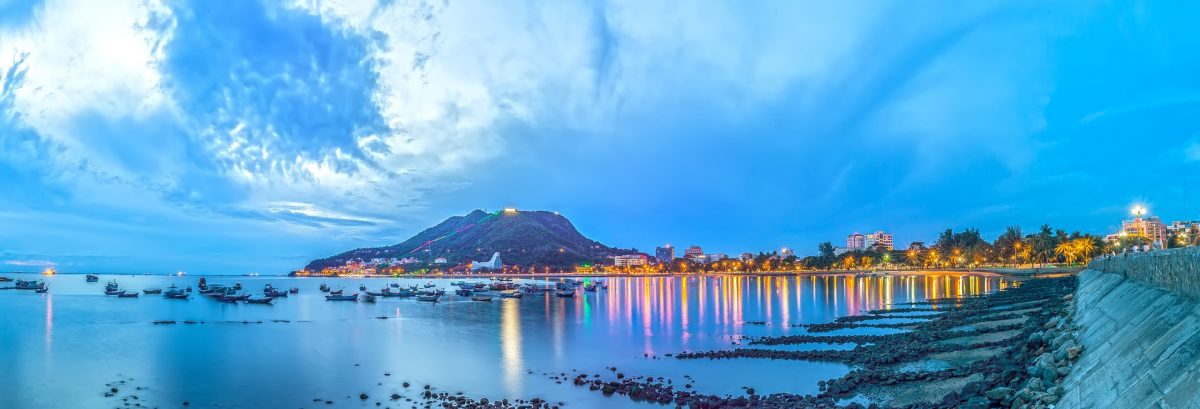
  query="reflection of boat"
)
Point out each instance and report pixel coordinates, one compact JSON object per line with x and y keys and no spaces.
{"x":42,"y":290}
{"x":481,"y":298}
{"x":339,"y":297}
{"x":565,"y":293}
{"x":152,"y":291}
{"x":513,"y":294}
{"x":124,"y":294}
{"x":264,"y":300}
{"x":428,"y":298}
{"x":92,"y":278}
{"x":369,"y":298}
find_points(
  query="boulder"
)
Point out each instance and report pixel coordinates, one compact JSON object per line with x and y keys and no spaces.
{"x":999,"y":393}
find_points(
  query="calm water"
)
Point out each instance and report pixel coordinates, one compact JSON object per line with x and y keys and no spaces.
{"x":60,"y":349}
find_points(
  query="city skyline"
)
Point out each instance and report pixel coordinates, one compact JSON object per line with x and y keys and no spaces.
{"x":163,"y":136}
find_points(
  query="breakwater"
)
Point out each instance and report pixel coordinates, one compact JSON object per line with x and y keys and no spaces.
{"x":1139,"y":323}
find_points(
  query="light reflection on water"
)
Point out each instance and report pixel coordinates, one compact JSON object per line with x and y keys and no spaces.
{"x":481,"y":349}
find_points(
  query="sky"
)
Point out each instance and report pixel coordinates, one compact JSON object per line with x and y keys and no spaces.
{"x":245,"y":136}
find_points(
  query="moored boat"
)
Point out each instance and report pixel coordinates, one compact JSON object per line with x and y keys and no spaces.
{"x":338,"y":292}
{"x":152,"y":291}
{"x":430,"y":285}
{"x":42,"y":290}
{"x":176,"y":295}
{"x":324,"y":288}
{"x":294,"y":290}
{"x":5,"y":279}
{"x":565,"y":293}
{"x":340,"y":297}
{"x":512,"y":294}
{"x":124,"y":294}
{"x":92,"y":278}
{"x":483,"y":298}
{"x":428,"y":298}
{"x":264,"y":300}
{"x":29,"y":285}
{"x":362,"y":287}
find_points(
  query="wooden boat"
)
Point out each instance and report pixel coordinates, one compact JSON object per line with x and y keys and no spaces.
{"x":152,"y":291}
{"x":124,"y":294}
{"x":324,"y":288}
{"x":483,"y":298}
{"x":5,"y":279}
{"x":92,"y":278}
{"x":42,"y":290}
{"x":339,"y":297}
{"x":369,"y":298}
{"x":176,"y":296}
{"x":294,"y":290}
{"x":565,"y":293}
{"x":362,"y":287}
{"x":512,"y":294}
{"x":590,"y":288}
{"x":428,"y":298}
{"x":462,"y":292}
{"x":264,"y":300}
{"x":338,"y":292}
{"x":276,"y":293}
{"x":430,"y":285}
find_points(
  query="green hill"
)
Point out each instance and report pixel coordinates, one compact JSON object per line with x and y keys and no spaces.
{"x":523,"y":238}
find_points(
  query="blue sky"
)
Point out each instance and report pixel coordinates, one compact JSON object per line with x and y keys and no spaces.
{"x":239,"y":136}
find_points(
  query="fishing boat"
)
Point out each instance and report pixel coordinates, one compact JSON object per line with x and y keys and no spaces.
{"x":29,"y":285}
{"x":338,"y":292}
{"x":152,"y":291}
{"x":362,"y":287}
{"x":294,"y":290}
{"x":264,"y":300}
{"x":268,"y":289}
{"x":339,"y":297}
{"x":237,"y":286}
{"x":428,"y":298}
{"x":176,"y":296}
{"x":112,"y":292}
{"x":124,"y":294}
{"x":324,"y":288}
{"x":511,"y":294}
{"x":565,"y":293}
{"x":369,"y":298}
{"x":5,"y":279}
{"x":430,"y":285}
{"x":394,"y":285}
{"x":590,"y":288}
{"x":482,"y":298}
{"x":92,"y":278}
{"x":203,"y":285}
{"x":276,"y":293}
{"x":234,"y":297}
{"x":215,"y":289}
{"x":42,"y":290}
{"x":463,"y":292}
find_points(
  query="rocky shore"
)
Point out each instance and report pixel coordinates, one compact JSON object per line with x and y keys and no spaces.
{"x":1009,"y":349}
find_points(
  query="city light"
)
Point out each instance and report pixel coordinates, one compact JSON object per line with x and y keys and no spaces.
{"x":1138,"y":211}
{"x":510,"y":210}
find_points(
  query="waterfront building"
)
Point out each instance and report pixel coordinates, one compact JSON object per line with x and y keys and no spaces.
{"x":1151,"y":228}
{"x":440,"y":260}
{"x":630,"y":260}
{"x":856,"y":241}
{"x":693,"y":251}
{"x":713,"y":258}
{"x":493,"y":264}
{"x":1182,"y":226}
{"x":879,"y":239}
{"x":664,"y":254}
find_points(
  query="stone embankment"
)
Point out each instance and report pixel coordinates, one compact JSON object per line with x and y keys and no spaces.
{"x":1139,"y":323}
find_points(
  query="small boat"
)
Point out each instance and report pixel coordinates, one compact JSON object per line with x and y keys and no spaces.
{"x":176,"y":296}
{"x":428,"y":298}
{"x":276,"y":293}
{"x":124,"y":294}
{"x":512,"y":294}
{"x":189,"y":289}
{"x":294,"y":290}
{"x":92,"y":278}
{"x":237,"y":286}
{"x":338,"y":292}
{"x":152,"y":291}
{"x":565,"y":293}
{"x":369,"y":298}
{"x":339,"y":297}
{"x":264,"y":300}
{"x":394,"y":285}
{"x":111,"y":285}
{"x":430,"y":285}
{"x":463,"y":292}
{"x":362,"y":287}
{"x":5,"y":279}
{"x":483,"y":298}
{"x":215,"y":289}
{"x":228,"y":299}
{"x":324,"y":288}
{"x":42,"y":290}
{"x":268,"y":289}
{"x":590,"y":288}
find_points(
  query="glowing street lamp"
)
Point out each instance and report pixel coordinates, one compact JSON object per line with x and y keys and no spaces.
{"x":1138,"y":211}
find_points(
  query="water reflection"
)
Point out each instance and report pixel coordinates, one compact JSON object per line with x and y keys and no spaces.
{"x":510,"y":343}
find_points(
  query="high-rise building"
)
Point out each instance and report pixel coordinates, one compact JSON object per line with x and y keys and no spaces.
{"x":856,"y":241}
{"x":630,"y":260}
{"x":878,"y":239}
{"x":664,"y":254}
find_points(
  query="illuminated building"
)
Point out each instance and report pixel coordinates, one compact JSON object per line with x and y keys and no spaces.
{"x":664,"y":254}
{"x":856,"y":241}
{"x":879,"y":239}
{"x":493,"y":264}
{"x":630,"y":260}
{"x":1151,"y":228}
{"x":693,"y":251}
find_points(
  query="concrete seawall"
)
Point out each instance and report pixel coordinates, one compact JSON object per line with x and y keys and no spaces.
{"x":1139,"y":323}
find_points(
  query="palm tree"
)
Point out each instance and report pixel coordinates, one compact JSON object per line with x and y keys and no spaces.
{"x":1068,"y":251}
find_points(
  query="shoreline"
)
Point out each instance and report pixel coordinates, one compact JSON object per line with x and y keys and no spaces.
{"x":996,"y":271}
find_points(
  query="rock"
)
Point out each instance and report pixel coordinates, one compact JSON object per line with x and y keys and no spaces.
{"x":1035,"y":340}
{"x":999,"y":393}
{"x":363,"y":396}
{"x":1050,"y":375}
{"x":1073,"y":352}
